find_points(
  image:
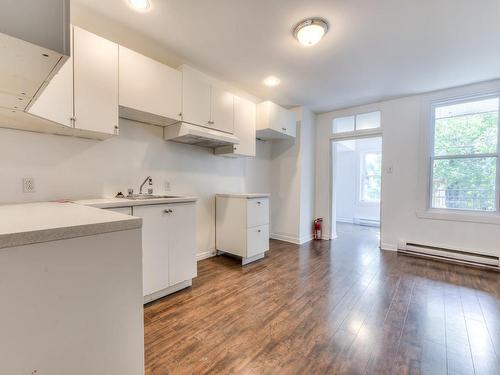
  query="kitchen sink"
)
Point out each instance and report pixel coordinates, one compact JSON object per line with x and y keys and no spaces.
{"x":146,"y":196}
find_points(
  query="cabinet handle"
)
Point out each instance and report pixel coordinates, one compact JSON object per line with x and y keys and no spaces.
{"x":284,"y":129}
{"x":180,"y":114}
{"x":258,"y":202}
{"x":211,"y":122}
{"x":259,"y":230}
{"x":168,"y":211}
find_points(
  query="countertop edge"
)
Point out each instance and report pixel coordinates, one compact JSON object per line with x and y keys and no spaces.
{"x":132,"y":203}
{"x":57,"y":234}
{"x":244,"y":196}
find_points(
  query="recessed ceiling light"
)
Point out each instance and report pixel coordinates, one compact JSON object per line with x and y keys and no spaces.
{"x":140,"y":5}
{"x":310,"y":31}
{"x":271,"y":81}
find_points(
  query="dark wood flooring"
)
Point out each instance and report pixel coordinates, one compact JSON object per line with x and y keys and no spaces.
{"x":339,"y":307}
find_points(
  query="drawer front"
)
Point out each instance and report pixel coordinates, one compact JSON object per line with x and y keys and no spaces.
{"x":257,"y":240}
{"x":257,"y":212}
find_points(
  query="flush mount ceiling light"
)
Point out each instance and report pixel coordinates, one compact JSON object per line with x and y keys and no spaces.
{"x":310,"y":31}
{"x":140,"y":5}
{"x":271,"y":81}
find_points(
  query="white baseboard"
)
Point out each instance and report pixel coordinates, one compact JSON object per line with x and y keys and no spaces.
{"x":205,"y":255}
{"x":283,"y":237}
{"x":388,"y":246}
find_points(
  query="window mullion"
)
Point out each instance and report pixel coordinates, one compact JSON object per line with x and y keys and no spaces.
{"x":497,"y":182}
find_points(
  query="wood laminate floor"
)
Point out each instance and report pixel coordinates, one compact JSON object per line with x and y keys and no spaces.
{"x":339,"y":307}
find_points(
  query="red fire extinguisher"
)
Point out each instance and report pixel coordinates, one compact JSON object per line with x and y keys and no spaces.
{"x":318,"y":229}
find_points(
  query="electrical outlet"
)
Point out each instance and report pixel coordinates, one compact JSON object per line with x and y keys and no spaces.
{"x":167,"y":185}
{"x":28,"y":185}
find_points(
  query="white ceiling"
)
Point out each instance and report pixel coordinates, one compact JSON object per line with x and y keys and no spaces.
{"x":375,"y":49}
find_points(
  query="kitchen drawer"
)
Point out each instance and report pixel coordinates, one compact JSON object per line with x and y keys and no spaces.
{"x":257,"y":240}
{"x":257,"y":212}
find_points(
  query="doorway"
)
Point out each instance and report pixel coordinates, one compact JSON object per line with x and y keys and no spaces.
{"x":356,"y":186}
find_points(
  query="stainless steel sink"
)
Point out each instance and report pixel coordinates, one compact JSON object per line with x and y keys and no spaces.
{"x":146,"y":196}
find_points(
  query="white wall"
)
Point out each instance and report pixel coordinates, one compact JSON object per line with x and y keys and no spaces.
{"x":74,"y":168}
{"x":403,"y":124}
{"x":292,"y":182}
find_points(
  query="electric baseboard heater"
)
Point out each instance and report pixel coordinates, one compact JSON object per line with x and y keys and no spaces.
{"x":446,"y":254}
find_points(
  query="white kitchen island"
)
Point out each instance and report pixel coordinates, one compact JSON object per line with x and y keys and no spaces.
{"x":70,"y":291}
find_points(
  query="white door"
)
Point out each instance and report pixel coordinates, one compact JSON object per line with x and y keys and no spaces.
{"x":155,"y":242}
{"x":95,"y":82}
{"x":149,"y":86}
{"x":56,"y":101}
{"x":195,"y":99}
{"x":182,"y":242}
{"x":222,"y":114}
{"x":244,"y":126}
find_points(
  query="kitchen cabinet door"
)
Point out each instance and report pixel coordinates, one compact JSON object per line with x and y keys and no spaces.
{"x":155,"y":242}
{"x":222,"y":106}
{"x":244,"y":126}
{"x":149,"y":86}
{"x":95,"y":62}
{"x":182,"y":242}
{"x":195,"y":99}
{"x":55,"y":103}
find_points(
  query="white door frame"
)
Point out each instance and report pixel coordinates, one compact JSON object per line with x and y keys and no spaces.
{"x":346,"y":136}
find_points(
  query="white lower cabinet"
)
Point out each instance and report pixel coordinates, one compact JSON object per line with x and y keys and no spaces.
{"x":168,"y":247}
{"x":242,"y":225}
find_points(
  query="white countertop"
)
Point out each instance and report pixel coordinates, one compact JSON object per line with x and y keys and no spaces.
{"x":245,"y":196}
{"x":24,"y":224}
{"x":124,"y":202}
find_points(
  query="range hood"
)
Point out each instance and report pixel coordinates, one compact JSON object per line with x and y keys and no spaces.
{"x":184,"y":132}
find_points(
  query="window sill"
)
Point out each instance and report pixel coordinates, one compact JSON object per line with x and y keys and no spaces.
{"x":460,"y":215}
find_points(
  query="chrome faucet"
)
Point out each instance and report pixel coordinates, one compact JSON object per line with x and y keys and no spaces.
{"x":148,"y":179}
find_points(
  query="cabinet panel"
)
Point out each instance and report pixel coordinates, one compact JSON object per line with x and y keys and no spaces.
{"x":182,"y":242}
{"x":155,"y":240}
{"x":257,"y":240}
{"x":244,"y":126}
{"x":95,"y":61}
{"x":149,"y":86}
{"x":195,"y":99}
{"x":290,"y":124}
{"x":222,"y":106}
{"x":55,"y":103}
{"x":257,"y":212}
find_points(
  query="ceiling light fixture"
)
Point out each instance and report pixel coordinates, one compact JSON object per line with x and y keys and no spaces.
{"x":310,"y":31}
{"x":140,"y":5}
{"x":271,"y":81}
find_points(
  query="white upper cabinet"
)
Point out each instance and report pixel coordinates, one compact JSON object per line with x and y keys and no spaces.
{"x":196,"y":102}
{"x":222,"y":110}
{"x":150,"y":91}
{"x":56,"y":101}
{"x":244,"y":129}
{"x":205,"y":104}
{"x":95,"y":62}
{"x":83,"y":95}
{"x":275,"y":122}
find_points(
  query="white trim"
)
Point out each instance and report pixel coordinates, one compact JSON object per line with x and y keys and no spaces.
{"x":285,"y":238}
{"x":388,"y":246}
{"x":483,"y":217}
{"x":205,"y":255}
{"x":165,"y":292}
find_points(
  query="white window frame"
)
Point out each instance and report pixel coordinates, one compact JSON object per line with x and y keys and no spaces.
{"x":424,"y":209}
{"x":433,"y":157}
{"x":356,"y":132}
{"x":362,"y":163}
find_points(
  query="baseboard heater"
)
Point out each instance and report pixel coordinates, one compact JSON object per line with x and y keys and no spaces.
{"x":446,"y":254}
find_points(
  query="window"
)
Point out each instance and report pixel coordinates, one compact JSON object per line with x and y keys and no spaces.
{"x":371,"y":168}
{"x":362,"y":121}
{"x":464,"y":157}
